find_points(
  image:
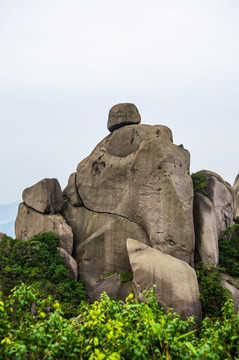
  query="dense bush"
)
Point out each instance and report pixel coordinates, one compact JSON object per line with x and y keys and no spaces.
{"x":229,"y":250}
{"x":212,"y":294}
{"x":200,"y":183}
{"x":109,"y":329}
{"x":37,"y":262}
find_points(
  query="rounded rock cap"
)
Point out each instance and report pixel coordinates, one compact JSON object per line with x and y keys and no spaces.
{"x":121,"y":115}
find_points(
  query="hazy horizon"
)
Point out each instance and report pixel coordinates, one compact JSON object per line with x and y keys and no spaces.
{"x":65,"y":64}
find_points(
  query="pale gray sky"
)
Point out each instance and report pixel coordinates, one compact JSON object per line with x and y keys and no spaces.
{"x":64,"y":64}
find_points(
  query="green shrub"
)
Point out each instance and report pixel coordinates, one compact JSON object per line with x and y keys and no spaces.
{"x":37,"y":262}
{"x":110,"y":329}
{"x":200,"y":183}
{"x":212,"y":294}
{"x":229,"y":250}
{"x":126,"y":276}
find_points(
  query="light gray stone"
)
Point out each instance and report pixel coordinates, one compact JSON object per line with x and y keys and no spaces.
{"x":205,"y":223}
{"x":100,"y":246}
{"x":231,"y":284}
{"x":138,"y":173}
{"x":30,"y":222}
{"x":236,"y":189}
{"x":45,"y":196}
{"x":70,"y":263}
{"x":176,"y":281}
{"x":71,"y":192}
{"x":121,"y":115}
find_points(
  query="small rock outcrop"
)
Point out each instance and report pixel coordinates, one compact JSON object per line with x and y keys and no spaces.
{"x":30,"y":222}
{"x":212,"y":214}
{"x":176,"y":281}
{"x":121,"y":115}
{"x":2,"y":235}
{"x":45,"y":196}
{"x":236,"y":189}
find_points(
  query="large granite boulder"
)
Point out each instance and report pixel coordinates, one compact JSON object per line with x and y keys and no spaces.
{"x":176,"y":281}
{"x":212,"y":214}
{"x":205,"y":222}
{"x":138,"y":173}
{"x":45,"y":196}
{"x":30,"y":222}
{"x":236,"y":189}
{"x":121,"y":115}
{"x":100,"y":248}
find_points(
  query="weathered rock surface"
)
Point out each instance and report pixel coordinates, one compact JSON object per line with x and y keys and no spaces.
{"x":30,"y":222}
{"x":121,"y":115}
{"x":138,"y":173}
{"x":176,"y":281}
{"x":45,"y":196}
{"x":70,"y":263}
{"x":222,"y":196}
{"x":71,"y":192}
{"x":236,"y":189}
{"x":205,"y":222}
{"x":212,"y":214}
{"x":232,"y":284}
{"x":100,"y":247}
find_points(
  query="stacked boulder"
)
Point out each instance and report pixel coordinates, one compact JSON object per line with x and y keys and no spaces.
{"x":127,"y":212}
{"x":39,"y":212}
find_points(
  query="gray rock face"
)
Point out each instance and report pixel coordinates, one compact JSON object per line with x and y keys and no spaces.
{"x":212,"y":215}
{"x":232,"y":284}
{"x":70,"y":263}
{"x":236,"y":189}
{"x":121,"y":115}
{"x":205,"y":222}
{"x":45,"y":196}
{"x":176,"y":281}
{"x":138,"y":173}
{"x":100,"y":247}
{"x":71,"y":192}
{"x":30,"y":222}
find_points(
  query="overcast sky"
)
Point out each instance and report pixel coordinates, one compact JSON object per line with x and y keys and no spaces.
{"x":65,"y":63}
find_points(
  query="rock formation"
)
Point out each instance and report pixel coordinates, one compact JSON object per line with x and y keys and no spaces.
{"x":212,"y":214}
{"x":135,"y":184}
{"x":176,"y":281}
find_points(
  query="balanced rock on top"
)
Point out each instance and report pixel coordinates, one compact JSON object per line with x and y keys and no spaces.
{"x":121,"y":115}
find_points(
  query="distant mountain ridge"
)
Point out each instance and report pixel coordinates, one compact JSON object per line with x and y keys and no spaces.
{"x":8,"y":213}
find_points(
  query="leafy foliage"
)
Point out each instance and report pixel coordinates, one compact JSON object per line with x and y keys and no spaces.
{"x":109,"y":329}
{"x":229,"y":250}
{"x":200,"y":183}
{"x":126,"y":276}
{"x":37,"y":262}
{"x":213,"y":295}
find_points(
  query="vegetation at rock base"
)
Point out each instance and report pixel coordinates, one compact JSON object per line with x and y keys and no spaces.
{"x":110,"y":329}
{"x":229,"y":250}
{"x":126,"y":276}
{"x":37,"y":262}
{"x":200,"y":183}
{"x":212,"y":294}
